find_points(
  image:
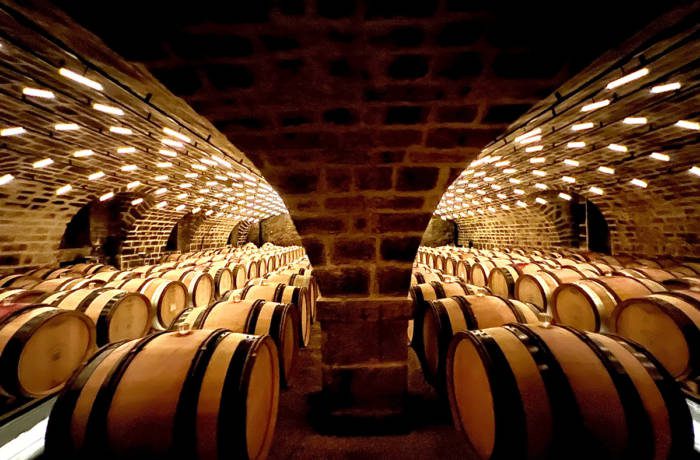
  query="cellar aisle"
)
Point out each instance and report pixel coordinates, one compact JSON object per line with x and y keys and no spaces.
{"x":433,"y":435}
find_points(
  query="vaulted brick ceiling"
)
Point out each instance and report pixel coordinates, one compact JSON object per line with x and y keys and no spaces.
{"x":361,"y":113}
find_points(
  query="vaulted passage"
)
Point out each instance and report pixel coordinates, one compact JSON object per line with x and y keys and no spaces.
{"x":349,"y":228}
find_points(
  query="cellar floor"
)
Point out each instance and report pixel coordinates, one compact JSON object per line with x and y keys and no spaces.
{"x":432,"y":436}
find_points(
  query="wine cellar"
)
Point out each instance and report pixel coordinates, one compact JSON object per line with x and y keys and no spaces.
{"x":349,"y":229}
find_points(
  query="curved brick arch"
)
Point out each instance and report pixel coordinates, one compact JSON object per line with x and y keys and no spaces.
{"x":212,"y":233}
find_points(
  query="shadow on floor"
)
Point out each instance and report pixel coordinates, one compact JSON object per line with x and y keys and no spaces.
{"x":432,"y":437}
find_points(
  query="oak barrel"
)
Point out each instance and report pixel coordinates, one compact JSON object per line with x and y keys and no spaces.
{"x":534,"y":392}
{"x":200,"y":285}
{"x":205,"y":394}
{"x":168,"y":298}
{"x":307,"y":281}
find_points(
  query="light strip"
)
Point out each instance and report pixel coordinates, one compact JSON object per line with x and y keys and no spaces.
{"x":688,"y":125}
{"x":120,"y":130}
{"x":522,"y":204}
{"x":42,"y":163}
{"x":171,"y":142}
{"x":513,"y":180}
{"x":133,"y":184}
{"x":635,"y":121}
{"x":180,"y":207}
{"x":129,"y":168}
{"x":694,"y":170}
{"x":582,"y":126}
{"x":15,"y":131}
{"x":541,"y":186}
{"x":606,"y":170}
{"x":66,"y":127}
{"x":106,"y":196}
{"x":80,"y":79}
{"x":108,"y":109}
{"x":160,"y":191}
{"x":576,"y":145}
{"x":539,"y":173}
{"x":83,"y":153}
{"x":595,"y":105}
{"x":568,"y":179}
{"x":534,"y":132}
{"x":570,"y":162}
{"x":665,"y":87}
{"x":534,"y":148}
{"x":540,"y":200}
{"x":565,"y":196}
{"x":63,"y":190}
{"x":628,"y":78}
{"x":530,"y":140}
{"x":639,"y":183}
{"x":137,"y":201}
{"x":617,"y":147}
{"x":161,"y":178}
{"x":97,"y":175}
{"x":536,"y":160}
{"x":596,"y":190}
{"x":6,"y":179}
{"x":173,"y":133}
{"x":659,"y":156}
{"x":126,"y":150}
{"x":164,"y":164}
{"x":35,"y":92}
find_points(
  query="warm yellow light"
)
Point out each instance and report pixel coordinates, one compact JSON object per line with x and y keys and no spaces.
{"x":534,"y":148}
{"x":129,"y":168}
{"x":570,"y":162}
{"x":694,"y":170}
{"x":518,"y":191}
{"x":522,"y":204}
{"x":133,"y":184}
{"x":164,"y":164}
{"x":507,"y":171}
{"x":161,"y":178}
{"x":565,"y":196}
{"x":617,"y":147}
{"x":173,"y":133}
{"x":659,"y":156}
{"x":639,"y":183}
{"x":576,"y":144}
{"x":541,"y":186}
{"x":199,"y":167}
{"x":502,"y":196}
{"x":505,"y":206}
{"x":180,"y":207}
{"x":182,"y":196}
{"x":502,"y":163}
{"x":42,"y":163}
{"x":83,"y":153}
{"x":80,"y":79}
{"x":665,"y":87}
{"x":596,"y":190}
{"x":14,"y":131}
{"x":160,"y":191}
{"x":595,"y":105}
{"x":534,"y":132}
{"x":171,"y":142}
{"x":606,"y":170}
{"x":628,"y":78}
{"x":582,"y":126}
{"x":688,"y":125}
{"x":196,"y":210}
{"x":530,"y":140}
{"x":635,"y":121}
{"x":97,"y":175}
{"x":35,"y":92}
{"x":120,"y":130}
{"x":539,"y":173}
{"x":6,"y":179}
{"x":185,"y":185}
{"x":107,"y":196}
{"x":161,"y":205}
{"x":513,"y":180}
{"x":126,"y":150}
{"x":63,"y":190}
{"x":540,"y":200}
{"x":137,"y":201}
{"x":536,"y":160}
{"x":108,"y":109}
{"x":568,"y":179}
{"x":66,"y":127}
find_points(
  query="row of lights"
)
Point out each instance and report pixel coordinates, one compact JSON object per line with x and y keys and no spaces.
{"x":534,"y":136}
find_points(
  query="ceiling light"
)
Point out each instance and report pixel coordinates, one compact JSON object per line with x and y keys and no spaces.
{"x":635,"y":121}
{"x":617,"y":147}
{"x":133,"y":184}
{"x":161,"y":205}
{"x":510,"y":170}
{"x":6,"y":179}
{"x":196,"y":210}
{"x":639,"y":183}
{"x":513,"y":180}
{"x":129,"y":168}
{"x":185,"y":185}
{"x":172,"y":142}
{"x":182,"y":196}
{"x":665,"y":87}
{"x":15,"y":131}
{"x":204,"y":190}
{"x":504,"y":206}
{"x":191,"y":175}
{"x":34,"y":92}
{"x":540,"y":200}
{"x":502,"y":196}
{"x":688,"y":124}
{"x":596,"y":190}
{"x":595,"y":105}
{"x":80,"y":79}
{"x":537,"y":160}
{"x":173,"y":133}
{"x":502,"y":163}
{"x":541,"y":186}
{"x":534,"y":148}
{"x":160,"y":191}
{"x":659,"y":156}
{"x":199,"y":200}
{"x":522,"y":204}
{"x":582,"y":126}
{"x":63,"y":190}
{"x":83,"y":153}
{"x":480,"y":173}
{"x":209,"y":213}
{"x":539,"y":173}
{"x":108,"y":109}
{"x":168,"y":153}
{"x":180,"y":207}
{"x":565,"y":196}
{"x":606,"y":170}
{"x":66,"y":127}
{"x":120,"y":130}
{"x":164,"y":164}
{"x":694,"y":170}
{"x":628,"y":78}
{"x":199,"y":167}
{"x":518,"y":191}
{"x":97,"y":175}
{"x":534,"y":132}
{"x":126,"y":150}
{"x":576,"y":145}
{"x":568,"y":179}
{"x":570,"y":162}
{"x":42,"y":163}
{"x":211,"y":183}
{"x":530,"y":140}
{"x":161,"y":178}
{"x":106,"y":196}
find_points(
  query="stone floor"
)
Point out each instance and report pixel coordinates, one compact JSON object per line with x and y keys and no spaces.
{"x":432,"y":436}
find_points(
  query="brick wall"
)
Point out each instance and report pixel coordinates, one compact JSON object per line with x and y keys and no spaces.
{"x":439,"y":233}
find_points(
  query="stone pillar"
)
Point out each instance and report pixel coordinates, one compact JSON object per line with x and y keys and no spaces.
{"x":364,"y":362}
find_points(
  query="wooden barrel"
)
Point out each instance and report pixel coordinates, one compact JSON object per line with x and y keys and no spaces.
{"x":205,"y":394}
{"x":643,"y":263}
{"x":502,"y":280}
{"x":200,"y":285}
{"x":239,"y":274}
{"x":19,"y":296}
{"x":668,"y":325}
{"x":114,"y":275}
{"x":41,"y":347}
{"x":278,"y":292}
{"x":168,"y":298}
{"x":480,"y":271}
{"x":90,"y":268}
{"x":656,"y":274}
{"x":443,"y":318}
{"x":536,"y":288}
{"x":117,"y":314}
{"x":223,"y":280}
{"x":47,"y":273}
{"x":684,"y":283}
{"x":307,"y":281}
{"x":531,"y":392}
{"x":19,"y":281}
{"x":257,"y":317}
{"x":252,"y":268}
{"x":66,"y":284}
{"x":688,"y":268}
{"x":588,"y":304}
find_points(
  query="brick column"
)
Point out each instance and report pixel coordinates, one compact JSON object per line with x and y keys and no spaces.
{"x":365,"y":365}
